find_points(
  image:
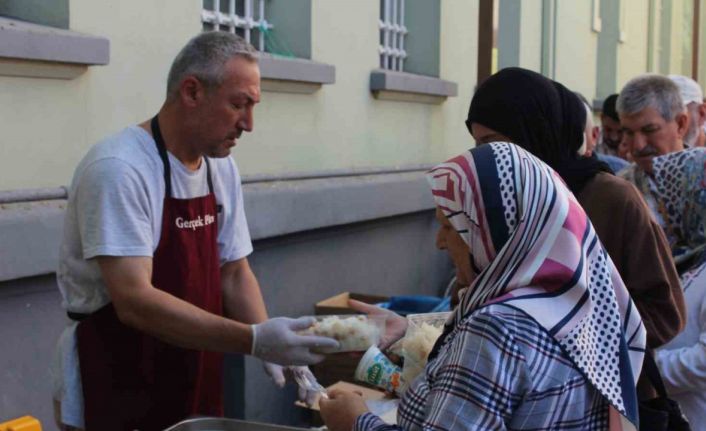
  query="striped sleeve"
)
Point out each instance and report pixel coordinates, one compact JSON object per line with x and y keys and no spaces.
{"x":369,"y":421}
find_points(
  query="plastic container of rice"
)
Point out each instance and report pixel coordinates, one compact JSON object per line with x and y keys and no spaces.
{"x":422,"y":332}
{"x":355,"y":333}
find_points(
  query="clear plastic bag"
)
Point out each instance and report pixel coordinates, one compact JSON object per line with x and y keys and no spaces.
{"x":355,"y":333}
{"x":422,"y":332}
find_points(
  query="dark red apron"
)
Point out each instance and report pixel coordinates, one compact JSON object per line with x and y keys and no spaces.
{"x":132,"y":380}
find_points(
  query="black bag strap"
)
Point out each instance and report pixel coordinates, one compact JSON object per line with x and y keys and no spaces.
{"x":653,"y":374}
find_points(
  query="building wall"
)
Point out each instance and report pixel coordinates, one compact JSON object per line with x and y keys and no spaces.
{"x":680,"y":33}
{"x":48,"y":124}
{"x":576,"y":47}
{"x":448,"y":135}
{"x":340,"y":126}
{"x":531,"y":35}
{"x":632,"y":52}
{"x":702,"y":44}
{"x":572,"y":53}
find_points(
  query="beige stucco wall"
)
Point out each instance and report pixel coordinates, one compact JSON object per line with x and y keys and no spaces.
{"x":679,"y":32}
{"x":342,"y":125}
{"x":531,"y":35}
{"x":702,"y":53}
{"x":459,"y":53}
{"x":49,"y":124}
{"x":632,"y":51}
{"x":576,"y":45}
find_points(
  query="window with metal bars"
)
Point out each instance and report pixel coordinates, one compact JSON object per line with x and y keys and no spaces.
{"x":243,"y":17}
{"x":54,"y":13}
{"x":392,"y":34}
{"x":410,"y":36}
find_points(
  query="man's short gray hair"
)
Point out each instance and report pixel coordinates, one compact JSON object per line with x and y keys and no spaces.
{"x":205,"y":56}
{"x":650,"y":91}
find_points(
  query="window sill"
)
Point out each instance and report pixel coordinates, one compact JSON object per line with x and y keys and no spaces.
{"x":408,"y":87}
{"x":39,"y":51}
{"x":294,"y":75}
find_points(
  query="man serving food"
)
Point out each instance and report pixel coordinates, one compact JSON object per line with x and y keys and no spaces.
{"x":153,"y":263}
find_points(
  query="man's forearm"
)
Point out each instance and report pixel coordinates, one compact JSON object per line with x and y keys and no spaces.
{"x":242,"y":298}
{"x":140,"y":305}
{"x":178,"y":322}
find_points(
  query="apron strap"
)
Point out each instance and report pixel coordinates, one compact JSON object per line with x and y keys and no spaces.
{"x":208,"y":175}
{"x":77,"y":316}
{"x":162,"y":149}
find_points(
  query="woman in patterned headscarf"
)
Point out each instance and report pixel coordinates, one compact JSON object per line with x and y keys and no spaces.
{"x":546,"y":336}
{"x":679,"y":188}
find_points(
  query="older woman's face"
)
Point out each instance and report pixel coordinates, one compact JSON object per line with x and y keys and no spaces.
{"x":486,"y":135}
{"x":448,"y":239}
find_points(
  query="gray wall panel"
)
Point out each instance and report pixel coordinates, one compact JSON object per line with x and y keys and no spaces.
{"x":31,"y":320}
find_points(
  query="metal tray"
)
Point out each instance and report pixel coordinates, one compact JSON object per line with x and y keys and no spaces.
{"x":222,"y":424}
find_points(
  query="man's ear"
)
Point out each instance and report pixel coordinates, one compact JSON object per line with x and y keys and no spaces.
{"x":191,"y":91}
{"x":702,"y":114}
{"x":682,"y":120}
{"x":595,"y":132}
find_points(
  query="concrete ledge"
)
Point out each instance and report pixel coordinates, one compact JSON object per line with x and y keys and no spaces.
{"x":26,"y":41}
{"x":305,"y":76}
{"x":387,"y":82}
{"x":285,"y":207}
{"x":30,"y":232}
{"x":29,"y":238}
{"x":40,"y":69}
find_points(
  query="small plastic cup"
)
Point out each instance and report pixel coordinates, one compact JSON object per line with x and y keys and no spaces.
{"x":376,"y":369}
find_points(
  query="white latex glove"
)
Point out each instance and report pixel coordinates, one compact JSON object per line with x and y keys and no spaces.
{"x":306,"y":393}
{"x":276,"y":340}
{"x":275,"y":372}
{"x":395,"y":325}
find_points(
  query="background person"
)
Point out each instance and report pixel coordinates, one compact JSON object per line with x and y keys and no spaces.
{"x":692,"y":98}
{"x":611,"y":132}
{"x":654,"y":123}
{"x":680,"y":187}
{"x":591,"y":136}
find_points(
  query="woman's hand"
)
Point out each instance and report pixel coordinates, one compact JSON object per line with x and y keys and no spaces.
{"x":340,"y":411}
{"x":395,"y":325}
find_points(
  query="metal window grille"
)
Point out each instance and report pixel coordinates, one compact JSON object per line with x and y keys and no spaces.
{"x":237,"y":16}
{"x":392,"y":34}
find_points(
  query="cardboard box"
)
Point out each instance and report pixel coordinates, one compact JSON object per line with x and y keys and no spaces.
{"x":339,"y":304}
{"x":336,"y":367}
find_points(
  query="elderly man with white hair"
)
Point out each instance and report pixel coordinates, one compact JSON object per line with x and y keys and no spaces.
{"x":693,"y":99}
{"x":654,"y":123}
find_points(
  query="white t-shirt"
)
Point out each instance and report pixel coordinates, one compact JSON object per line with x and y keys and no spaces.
{"x":115,"y":209}
{"x":682,"y":361}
